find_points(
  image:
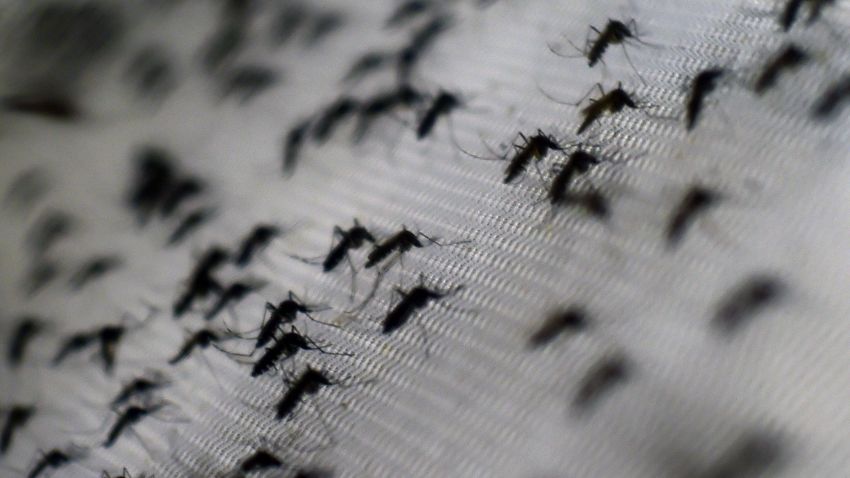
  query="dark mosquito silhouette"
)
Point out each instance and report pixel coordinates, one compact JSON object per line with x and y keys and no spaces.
{"x":349,"y":240}
{"x":383,"y":103}
{"x":223,"y":45}
{"x":578,"y":163}
{"x":126,"y":419}
{"x":702,"y":85}
{"x":535,"y":148}
{"x":75,"y":343}
{"x":752,"y":454}
{"x":697,"y":201}
{"x":292,"y":145}
{"x":140,"y":386}
{"x":420,"y":42}
{"x":254,"y":242}
{"x":284,"y":348}
{"x":50,"y":228}
{"x":54,"y":106}
{"x":308,"y":383}
{"x":599,"y":380}
{"x":53,"y":459}
{"x":368,"y":63}
{"x":610,"y":102}
{"x":283,"y":313}
{"x":199,"y":340}
{"x":789,"y":13}
{"x":286,"y":22}
{"x":399,"y":242}
{"x":26,"y":329}
{"x":789,"y":58}
{"x":747,"y":299}
{"x":153,"y":179}
{"x":151,"y":72}
{"x":94,"y":269}
{"x":833,"y":100}
{"x":411,"y":302}
{"x":615,"y":32}
{"x":189,"y":224}
{"x":260,"y":460}
{"x":442,"y":105}
{"x":178,"y":193}
{"x":40,"y":274}
{"x":201,"y":281}
{"x":313,"y":473}
{"x":593,"y":202}
{"x":331,"y":116}
{"x":248,"y":81}
{"x":231,"y":294}
{"x":573,"y":319}
{"x":110,"y":337}
{"x":28,"y":187}
{"x":407,"y":11}
{"x":323,"y":25}
{"x":16,"y":418}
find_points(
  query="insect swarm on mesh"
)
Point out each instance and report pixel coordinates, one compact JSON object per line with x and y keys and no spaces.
{"x":231,"y":294}
{"x":789,"y":58}
{"x":292,"y":144}
{"x":254,"y":242}
{"x":442,"y":105}
{"x":248,"y":81}
{"x":201,"y":280}
{"x":308,"y":383}
{"x":600,"y":380}
{"x":130,"y":416}
{"x":25,"y":330}
{"x":573,"y":319}
{"x":696,"y":201}
{"x":260,"y":460}
{"x":746,"y":299}
{"x":705,"y":82}
{"x":190,"y":223}
{"x":332,"y":115}
{"x":833,"y":100}
{"x":16,"y":418}
{"x":94,"y":269}
{"x":412,"y":301}
{"x":611,"y":102}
